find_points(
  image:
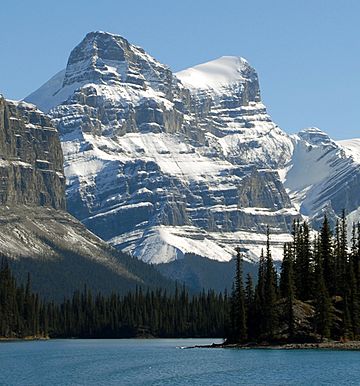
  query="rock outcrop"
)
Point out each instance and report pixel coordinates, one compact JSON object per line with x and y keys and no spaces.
{"x":31,"y":160}
{"x":37,"y":235}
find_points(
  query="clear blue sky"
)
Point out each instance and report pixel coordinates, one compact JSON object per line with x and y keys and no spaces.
{"x":306,"y":52}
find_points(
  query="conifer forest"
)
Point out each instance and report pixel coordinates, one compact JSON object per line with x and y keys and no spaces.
{"x":312,"y":297}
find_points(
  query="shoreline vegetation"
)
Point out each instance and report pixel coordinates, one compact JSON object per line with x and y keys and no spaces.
{"x":143,"y":313}
{"x":330,"y":345}
{"x":25,"y":338}
{"x":313,"y":302}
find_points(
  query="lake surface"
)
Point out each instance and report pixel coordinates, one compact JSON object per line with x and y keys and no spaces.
{"x":163,"y":362}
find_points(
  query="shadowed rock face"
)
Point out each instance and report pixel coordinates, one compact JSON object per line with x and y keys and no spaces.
{"x":31,"y":164}
{"x":36,"y":233}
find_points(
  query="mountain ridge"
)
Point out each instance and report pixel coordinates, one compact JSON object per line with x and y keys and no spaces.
{"x":160,"y":169}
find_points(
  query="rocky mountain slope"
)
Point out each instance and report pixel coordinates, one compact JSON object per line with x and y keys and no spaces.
{"x":323,"y":176}
{"x":36,"y":232}
{"x":161,"y":164}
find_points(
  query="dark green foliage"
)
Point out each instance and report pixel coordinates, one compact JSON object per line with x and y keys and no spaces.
{"x":250,"y":305}
{"x":259,"y":300}
{"x":140,"y":313}
{"x":287,"y":287}
{"x":319,"y":282}
{"x":302,"y":259}
{"x":327,"y":257}
{"x":262,"y":316}
{"x":238,"y":316}
{"x":54,"y":279}
{"x":323,"y":314}
{"x":270,"y":295}
{"x":329,"y":299}
{"x":21,"y":312}
{"x":287,"y":272}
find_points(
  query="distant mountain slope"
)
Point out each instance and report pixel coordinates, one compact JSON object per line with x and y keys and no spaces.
{"x":323,"y":175}
{"x":199,"y":273}
{"x":36,"y":233}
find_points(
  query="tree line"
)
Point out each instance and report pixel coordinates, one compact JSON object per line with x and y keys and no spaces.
{"x":314,"y":297}
{"x":144,"y":313}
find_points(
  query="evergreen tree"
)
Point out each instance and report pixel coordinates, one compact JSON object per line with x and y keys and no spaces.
{"x":259,"y":301}
{"x":270,"y":288}
{"x":323,"y":315}
{"x":239,"y":329}
{"x":249,"y":306}
{"x":317,"y":273}
{"x":341,"y":255}
{"x":287,"y":289}
{"x":304,"y":265}
{"x":327,"y":258}
{"x":286,"y":276}
{"x":351,"y":302}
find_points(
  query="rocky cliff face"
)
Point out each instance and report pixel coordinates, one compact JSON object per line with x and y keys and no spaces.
{"x":162,"y":164}
{"x":31,"y":164}
{"x":225,"y":101}
{"x":36,"y":234}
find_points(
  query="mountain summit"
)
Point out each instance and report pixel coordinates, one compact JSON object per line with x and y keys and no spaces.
{"x":222,"y":72}
{"x":162,"y":165}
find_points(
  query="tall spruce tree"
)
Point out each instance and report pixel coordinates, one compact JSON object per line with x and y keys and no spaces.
{"x":323,"y":312}
{"x":352,"y":301}
{"x":286,"y":275}
{"x":340,"y":255}
{"x":327,"y":257}
{"x":259,"y":299}
{"x":239,"y":328}
{"x":287,"y":288}
{"x":305,"y":276}
{"x":270,"y":289}
{"x":250,"y":306}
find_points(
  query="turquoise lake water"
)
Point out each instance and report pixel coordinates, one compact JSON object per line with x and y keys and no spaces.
{"x":163,"y":362}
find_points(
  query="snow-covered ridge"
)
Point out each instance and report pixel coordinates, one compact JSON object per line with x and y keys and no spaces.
{"x":224,"y":71}
{"x":50,"y":94}
{"x":351,"y":148}
{"x":323,"y":175}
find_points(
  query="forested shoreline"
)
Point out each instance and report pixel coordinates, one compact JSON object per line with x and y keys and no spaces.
{"x":142,"y":313}
{"x":314,"y":298}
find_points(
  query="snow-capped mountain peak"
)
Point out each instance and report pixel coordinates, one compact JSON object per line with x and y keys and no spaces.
{"x":351,"y":148}
{"x":162,"y":164}
{"x":218,"y":73}
{"x":104,"y":59}
{"x":109,"y":59}
{"x":315,"y":136}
